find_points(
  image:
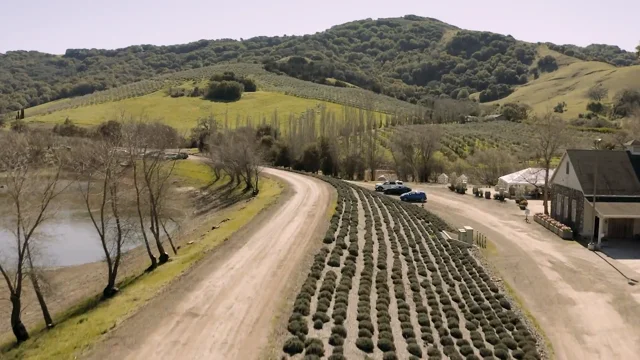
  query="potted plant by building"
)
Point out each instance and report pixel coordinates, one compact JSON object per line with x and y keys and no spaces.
{"x":566,"y":232}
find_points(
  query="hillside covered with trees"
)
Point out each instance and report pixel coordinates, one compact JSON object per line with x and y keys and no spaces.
{"x":410,"y":58}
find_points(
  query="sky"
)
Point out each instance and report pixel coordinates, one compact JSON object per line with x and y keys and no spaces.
{"x":56,"y":25}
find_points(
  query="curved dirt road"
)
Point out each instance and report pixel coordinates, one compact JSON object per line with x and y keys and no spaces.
{"x":223,"y":309}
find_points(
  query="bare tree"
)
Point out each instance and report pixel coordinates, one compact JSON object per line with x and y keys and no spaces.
{"x":490,"y":164}
{"x":373,"y":151}
{"x":427,"y":143}
{"x":201,"y":133}
{"x":404,"y":154}
{"x":597,"y":93}
{"x":147,"y":144}
{"x":36,"y":277}
{"x":247,"y":156}
{"x":130,"y":135}
{"x":238,"y":152}
{"x":100,"y":182}
{"x":630,"y":130}
{"x":31,"y":178}
{"x":550,"y":135}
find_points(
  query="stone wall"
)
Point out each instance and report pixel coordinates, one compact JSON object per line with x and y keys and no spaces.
{"x":568,"y":195}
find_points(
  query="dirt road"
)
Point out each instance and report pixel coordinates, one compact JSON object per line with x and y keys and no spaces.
{"x":584,"y":305}
{"x":224,"y":307}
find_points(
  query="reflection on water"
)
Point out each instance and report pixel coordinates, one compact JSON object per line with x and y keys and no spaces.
{"x":67,"y":241}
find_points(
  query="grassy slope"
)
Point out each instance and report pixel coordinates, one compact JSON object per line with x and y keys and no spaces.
{"x":85,"y":324}
{"x":182,"y":113}
{"x":570,"y":84}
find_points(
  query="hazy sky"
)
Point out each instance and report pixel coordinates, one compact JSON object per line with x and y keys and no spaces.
{"x":56,"y":25}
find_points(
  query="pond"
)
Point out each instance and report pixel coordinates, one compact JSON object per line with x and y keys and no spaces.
{"x":66,"y":241}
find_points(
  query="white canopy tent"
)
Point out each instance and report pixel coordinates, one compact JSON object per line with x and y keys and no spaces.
{"x":527,"y":178}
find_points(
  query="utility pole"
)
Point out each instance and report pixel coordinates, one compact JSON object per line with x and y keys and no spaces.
{"x":595,"y":180}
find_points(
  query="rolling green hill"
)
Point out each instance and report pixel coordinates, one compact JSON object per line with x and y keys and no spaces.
{"x":412,"y":58}
{"x":570,"y":83}
{"x":266,"y":81}
{"x":182,"y":113}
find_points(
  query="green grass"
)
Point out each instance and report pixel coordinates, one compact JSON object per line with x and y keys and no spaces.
{"x":193,"y":172}
{"x":86,"y":323}
{"x":570,"y":84}
{"x":183,"y":112}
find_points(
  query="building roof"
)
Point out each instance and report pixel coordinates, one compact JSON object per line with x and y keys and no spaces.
{"x":627,"y":210}
{"x":632,"y":143}
{"x":530,"y":176}
{"x":618,"y":172}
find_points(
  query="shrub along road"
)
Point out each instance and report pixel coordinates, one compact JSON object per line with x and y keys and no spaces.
{"x":223,"y":309}
{"x":583,"y":304}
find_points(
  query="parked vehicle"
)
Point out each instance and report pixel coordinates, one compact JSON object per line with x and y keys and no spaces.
{"x":414,"y":196}
{"x":178,"y":156}
{"x":399,"y":190}
{"x":388,"y":185}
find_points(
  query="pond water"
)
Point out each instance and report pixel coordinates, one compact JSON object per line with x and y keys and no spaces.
{"x":65,"y":241}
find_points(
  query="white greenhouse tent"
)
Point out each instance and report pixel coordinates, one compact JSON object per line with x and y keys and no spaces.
{"x":530,"y":178}
{"x":443,"y":179}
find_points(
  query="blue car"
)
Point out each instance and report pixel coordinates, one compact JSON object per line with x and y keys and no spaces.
{"x":414,"y":196}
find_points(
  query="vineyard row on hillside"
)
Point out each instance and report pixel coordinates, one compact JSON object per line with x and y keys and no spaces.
{"x":463,"y":140}
{"x":266,"y":81}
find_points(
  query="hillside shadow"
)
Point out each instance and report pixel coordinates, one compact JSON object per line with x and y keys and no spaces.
{"x":218,"y":197}
{"x":617,"y":249}
{"x":222,"y":101}
{"x":622,"y":251}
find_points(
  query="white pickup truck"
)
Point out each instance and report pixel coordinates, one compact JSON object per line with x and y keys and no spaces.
{"x":388,"y":185}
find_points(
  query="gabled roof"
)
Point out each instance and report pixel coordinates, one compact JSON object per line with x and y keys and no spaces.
{"x":616,"y":175}
{"x":632,"y":143}
{"x":530,"y":176}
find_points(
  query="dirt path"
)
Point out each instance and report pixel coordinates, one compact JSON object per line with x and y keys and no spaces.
{"x":223,"y":309}
{"x":583,"y":304}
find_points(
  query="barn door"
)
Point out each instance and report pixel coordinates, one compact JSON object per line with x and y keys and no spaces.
{"x":620,"y":229}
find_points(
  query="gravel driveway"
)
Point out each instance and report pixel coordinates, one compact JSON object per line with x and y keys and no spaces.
{"x":224,"y":308}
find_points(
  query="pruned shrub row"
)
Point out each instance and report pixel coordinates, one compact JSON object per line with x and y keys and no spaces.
{"x":364,"y":341}
{"x":437,"y":286}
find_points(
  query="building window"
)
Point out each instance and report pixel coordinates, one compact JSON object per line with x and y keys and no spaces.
{"x":574,"y":205}
{"x":566,"y":166}
{"x":565,"y":214}
{"x":558,"y":204}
